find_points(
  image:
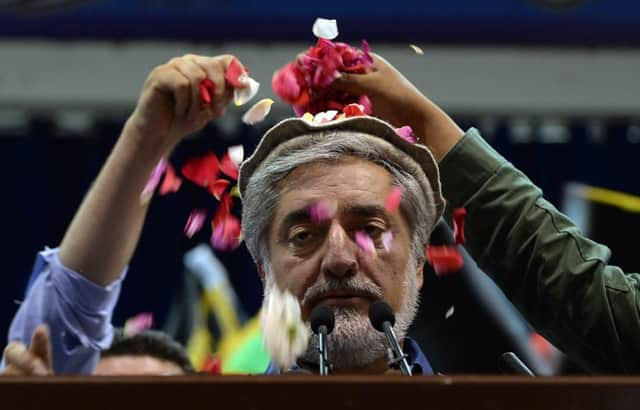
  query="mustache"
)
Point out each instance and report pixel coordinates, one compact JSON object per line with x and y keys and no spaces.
{"x":358,"y":287}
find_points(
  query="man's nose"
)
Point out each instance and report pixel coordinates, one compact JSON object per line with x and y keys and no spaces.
{"x":340,"y":258}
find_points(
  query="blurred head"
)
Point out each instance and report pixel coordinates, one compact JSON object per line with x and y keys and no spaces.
{"x":149,"y":352}
{"x":321,"y":263}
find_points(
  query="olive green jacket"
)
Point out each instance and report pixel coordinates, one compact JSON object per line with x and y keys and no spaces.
{"x":559,"y":279}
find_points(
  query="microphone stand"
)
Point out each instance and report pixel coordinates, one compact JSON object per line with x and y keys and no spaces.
{"x":399,"y":359}
{"x":325,"y":366}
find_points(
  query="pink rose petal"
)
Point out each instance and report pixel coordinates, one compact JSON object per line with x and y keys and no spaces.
{"x":407,"y":134}
{"x":153,"y":181}
{"x":233,"y":73}
{"x":392,"y":203}
{"x":227,"y":234}
{"x":138,"y":323}
{"x":365,"y":243}
{"x":387,"y":240}
{"x":195,"y":222}
{"x":322,"y":210}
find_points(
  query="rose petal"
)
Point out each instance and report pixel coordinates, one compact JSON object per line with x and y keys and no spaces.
{"x":450,"y":312}
{"x":286,"y":84}
{"x":258,"y":111}
{"x":153,"y":181}
{"x":228,"y":167}
{"x":322,"y":210}
{"x":324,"y":117}
{"x":243,"y":95}
{"x":218,"y":187}
{"x":202,"y":170}
{"x":195,"y":222}
{"x":226,"y":235}
{"x":212,"y":365}
{"x":444,"y":259}
{"x":308,"y":117}
{"x":171,"y":182}
{"x":236,"y":154}
{"x":235,"y":191}
{"x":365,"y":243}
{"x":224,"y":209}
{"x":325,"y":28}
{"x":392,"y":202}
{"x":233,"y":74}
{"x":138,"y":323}
{"x":416,"y":49}
{"x":387,"y":240}
{"x":353,"y":110}
{"x":458,"y":225}
{"x":406,"y":133}
{"x":207,"y":91}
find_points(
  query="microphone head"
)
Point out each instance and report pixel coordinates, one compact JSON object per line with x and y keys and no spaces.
{"x":380,"y":312}
{"x":322,"y":316}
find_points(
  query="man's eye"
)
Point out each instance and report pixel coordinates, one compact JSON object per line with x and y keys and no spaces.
{"x":373,"y":231}
{"x":299,"y":237}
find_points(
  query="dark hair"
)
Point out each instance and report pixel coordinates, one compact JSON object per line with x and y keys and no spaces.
{"x":152,"y":343}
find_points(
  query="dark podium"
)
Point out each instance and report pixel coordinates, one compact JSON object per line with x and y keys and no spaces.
{"x":313,"y":392}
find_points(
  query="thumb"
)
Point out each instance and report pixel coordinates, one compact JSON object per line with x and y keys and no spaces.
{"x":41,"y":345}
{"x":358,"y":84}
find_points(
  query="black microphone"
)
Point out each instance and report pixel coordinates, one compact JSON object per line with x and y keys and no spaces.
{"x":322,"y":321}
{"x":382,"y":319}
{"x":510,"y":363}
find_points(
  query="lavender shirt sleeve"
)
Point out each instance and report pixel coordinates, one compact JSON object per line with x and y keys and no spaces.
{"x":77,"y":311}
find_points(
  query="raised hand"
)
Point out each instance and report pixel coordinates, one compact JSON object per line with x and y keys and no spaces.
{"x":32,"y":361}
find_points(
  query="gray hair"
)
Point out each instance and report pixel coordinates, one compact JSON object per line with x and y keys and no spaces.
{"x":261,"y":196}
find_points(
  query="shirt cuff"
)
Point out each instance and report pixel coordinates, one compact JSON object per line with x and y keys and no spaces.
{"x":466,"y":167}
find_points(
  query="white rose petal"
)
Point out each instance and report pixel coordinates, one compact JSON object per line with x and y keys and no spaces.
{"x":258,"y":111}
{"x":417,"y":49}
{"x":325,"y":28}
{"x":243,"y":95}
{"x":449,"y":312}
{"x":236,"y":153}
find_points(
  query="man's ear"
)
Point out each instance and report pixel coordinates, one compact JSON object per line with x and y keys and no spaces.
{"x":420,"y":274}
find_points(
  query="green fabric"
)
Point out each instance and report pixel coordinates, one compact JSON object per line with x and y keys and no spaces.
{"x":249,"y":358}
{"x":558,"y":278}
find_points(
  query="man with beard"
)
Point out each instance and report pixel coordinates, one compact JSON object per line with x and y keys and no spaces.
{"x":353,"y":163}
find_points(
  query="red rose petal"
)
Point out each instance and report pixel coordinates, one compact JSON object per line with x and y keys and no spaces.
{"x":229,"y":168}
{"x":458,"y":225}
{"x":392,"y":202}
{"x":444,"y":259}
{"x":353,"y":110}
{"x":207,"y":91}
{"x":212,"y":365}
{"x":202,"y":170}
{"x":218,"y":187}
{"x":171,"y":182}
{"x":234,"y":71}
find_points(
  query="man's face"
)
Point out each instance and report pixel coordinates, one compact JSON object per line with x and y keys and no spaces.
{"x":322,"y":263}
{"x":136,"y":365}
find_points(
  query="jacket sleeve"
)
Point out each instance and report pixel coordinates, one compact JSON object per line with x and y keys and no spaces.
{"x":558,"y":278}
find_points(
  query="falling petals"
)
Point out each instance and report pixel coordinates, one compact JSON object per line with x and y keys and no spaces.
{"x":308,"y":116}
{"x":322,"y":210}
{"x":138,"y":323}
{"x":226,"y":234}
{"x":224,"y":209}
{"x":153,"y":181}
{"x":444,"y":259}
{"x":458,"y":225}
{"x":325,"y":28}
{"x":236,"y":154}
{"x":257,"y":112}
{"x":450,"y":312}
{"x":392,"y":202}
{"x":195,"y":222}
{"x":235,"y":192}
{"x":406,"y":133}
{"x":243,"y":95}
{"x":202,"y":170}
{"x":171,"y":182}
{"x":229,"y":167}
{"x":387,"y":240}
{"x":365,"y":243}
{"x":284,"y":334}
{"x":234,"y":73}
{"x":218,"y":187}
{"x":416,"y":49}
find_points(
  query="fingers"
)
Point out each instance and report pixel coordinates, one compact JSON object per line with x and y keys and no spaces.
{"x":359,"y":84}
{"x":41,"y":345}
{"x":216,"y":68}
{"x":21,"y":361}
{"x":194,"y":74}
